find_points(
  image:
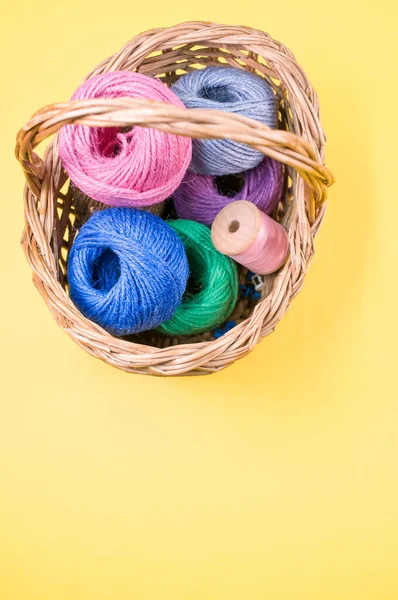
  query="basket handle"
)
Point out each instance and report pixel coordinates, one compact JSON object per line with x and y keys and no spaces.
{"x":283,"y":146}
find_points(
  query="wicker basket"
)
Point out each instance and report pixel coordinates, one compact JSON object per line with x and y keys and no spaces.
{"x":298,"y":143}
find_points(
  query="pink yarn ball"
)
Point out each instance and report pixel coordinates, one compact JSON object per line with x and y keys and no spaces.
{"x":138,"y":167}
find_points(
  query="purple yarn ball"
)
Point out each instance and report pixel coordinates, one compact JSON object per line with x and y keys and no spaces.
{"x":199,"y":198}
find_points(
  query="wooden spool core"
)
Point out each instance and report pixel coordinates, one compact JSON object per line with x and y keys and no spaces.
{"x":236,"y":227}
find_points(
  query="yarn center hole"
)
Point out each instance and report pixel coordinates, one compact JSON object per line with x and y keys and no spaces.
{"x":233,"y":226}
{"x":229,"y":185}
{"x":112,"y":140}
{"x":194,"y":286}
{"x":106,"y":271}
{"x":217,"y":93}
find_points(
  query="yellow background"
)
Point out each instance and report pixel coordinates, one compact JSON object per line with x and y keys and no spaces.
{"x":276,"y":478}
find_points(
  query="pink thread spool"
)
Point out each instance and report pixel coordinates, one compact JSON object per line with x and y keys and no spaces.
{"x":250,"y":237}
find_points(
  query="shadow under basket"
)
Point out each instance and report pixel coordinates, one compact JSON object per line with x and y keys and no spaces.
{"x":50,"y":217}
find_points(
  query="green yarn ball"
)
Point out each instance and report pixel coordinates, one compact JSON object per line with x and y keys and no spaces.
{"x":213,"y":285}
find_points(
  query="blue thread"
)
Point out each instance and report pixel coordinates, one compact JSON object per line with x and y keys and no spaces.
{"x":233,"y":90}
{"x":244,"y":290}
{"x":222,"y":330}
{"x":248,"y":290}
{"x":127,"y":270}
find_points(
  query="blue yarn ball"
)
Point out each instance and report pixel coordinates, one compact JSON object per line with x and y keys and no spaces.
{"x":232,"y":90}
{"x":127,"y":270}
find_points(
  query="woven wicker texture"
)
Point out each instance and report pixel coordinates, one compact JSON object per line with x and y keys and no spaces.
{"x":299,"y":144}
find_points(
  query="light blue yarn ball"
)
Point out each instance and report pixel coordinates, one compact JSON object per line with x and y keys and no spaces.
{"x":127,"y":270}
{"x":232,"y":90}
